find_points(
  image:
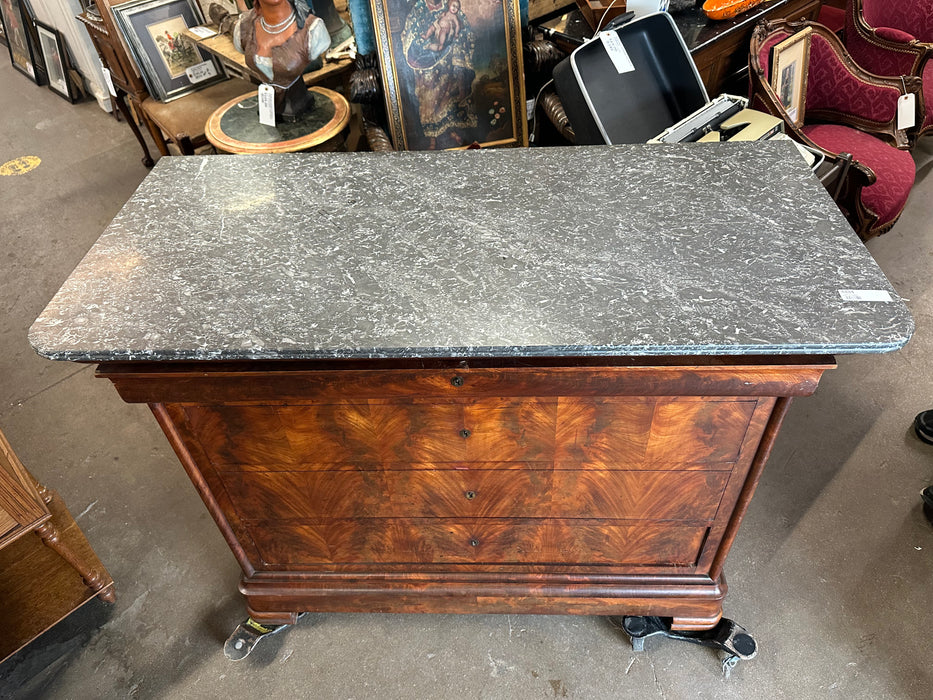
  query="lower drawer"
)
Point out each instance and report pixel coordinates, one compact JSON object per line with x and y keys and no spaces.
{"x":476,"y":541}
{"x":487,"y":493}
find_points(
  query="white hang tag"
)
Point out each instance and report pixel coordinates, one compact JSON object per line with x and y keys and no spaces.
{"x":203,"y":32}
{"x":201,"y":71}
{"x":617,"y":53}
{"x":906,"y":111}
{"x":266,"y":105}
{"x":108,"y":79}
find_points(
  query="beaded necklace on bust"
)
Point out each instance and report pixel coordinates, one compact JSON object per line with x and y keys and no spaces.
{"x":277,"y":28}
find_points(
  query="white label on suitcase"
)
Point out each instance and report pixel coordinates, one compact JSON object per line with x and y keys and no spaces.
{"x":617,"y":52}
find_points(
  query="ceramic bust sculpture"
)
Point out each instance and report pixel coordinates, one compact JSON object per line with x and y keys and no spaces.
{"x":278,"y":39}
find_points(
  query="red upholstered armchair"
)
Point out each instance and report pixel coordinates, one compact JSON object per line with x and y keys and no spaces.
{"x":894,"y":37}
{"x":847,"y":110}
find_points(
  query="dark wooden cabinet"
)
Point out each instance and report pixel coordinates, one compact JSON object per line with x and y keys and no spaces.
{"x":598,"y":487}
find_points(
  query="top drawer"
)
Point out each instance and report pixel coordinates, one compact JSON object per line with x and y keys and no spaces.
{"x":542,"y":432}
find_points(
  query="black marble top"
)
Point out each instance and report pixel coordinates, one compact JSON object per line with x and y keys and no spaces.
{"x":687,"y":249}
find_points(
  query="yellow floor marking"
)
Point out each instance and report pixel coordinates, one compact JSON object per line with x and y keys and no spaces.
{"x":20,"y":166}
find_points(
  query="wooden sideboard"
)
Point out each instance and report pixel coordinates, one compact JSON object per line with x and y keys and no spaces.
{"x":47,"y":567}
{"x":601,"y":487}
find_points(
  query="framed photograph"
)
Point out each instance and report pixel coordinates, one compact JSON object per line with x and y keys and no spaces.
{"x":789,"y":64}
{"x":3,"y":40}
{"x":154,"y":30}
{"x":55,"y":56}
{"x":451,"y":72}
{"x":15,"y":28}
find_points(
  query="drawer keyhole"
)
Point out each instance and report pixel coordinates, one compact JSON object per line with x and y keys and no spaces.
{"x":457,"y":381}
{"x":474,"y":542}
{"x":465,"y":433}
{"x":470,"y":495}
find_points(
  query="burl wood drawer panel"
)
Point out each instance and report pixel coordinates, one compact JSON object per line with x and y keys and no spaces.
{"x":577,"y":432}
{"x":477,"y":541}
{"x":657,"y":495}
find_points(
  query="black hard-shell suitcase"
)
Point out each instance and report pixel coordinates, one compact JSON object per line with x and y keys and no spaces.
{"x":629,"y":96}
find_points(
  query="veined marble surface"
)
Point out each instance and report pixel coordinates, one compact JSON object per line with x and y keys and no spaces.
{"x":699,"y":249}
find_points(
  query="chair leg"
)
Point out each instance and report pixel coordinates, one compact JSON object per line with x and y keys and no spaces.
{"x":156,"y":133}
{"x":125,"y":111}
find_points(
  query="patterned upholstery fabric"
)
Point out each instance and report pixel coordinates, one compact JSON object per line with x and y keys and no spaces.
{"x":894,"y":168}
{"x":899,"y":21}
{"x":912,"y":16}
{"x":830,"y":85}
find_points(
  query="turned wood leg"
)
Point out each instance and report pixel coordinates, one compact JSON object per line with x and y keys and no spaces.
{"x":125,"y":111}
{"x":48,"y":533}
{"x":155,"y":131}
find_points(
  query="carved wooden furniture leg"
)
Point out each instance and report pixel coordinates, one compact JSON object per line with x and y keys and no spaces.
{"x":120,"y":101}
{"x":48,"y":533}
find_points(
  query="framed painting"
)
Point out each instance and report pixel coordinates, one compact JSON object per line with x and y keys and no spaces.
{"x":3,"y":40}
{"x":452,"y":72}
{"x":55,"y":57}
{"x":789,"y":64}
{"x":17,"y":36}
{"x":154,"y":31}
{"x":227,"y":5}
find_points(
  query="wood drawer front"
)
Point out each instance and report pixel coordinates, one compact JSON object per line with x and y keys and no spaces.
{"x":651,"y":434}
{"x":599,"y":433}
{"x":379,"y":432}
{"x":465,"y":541}
{"x":656,"y":495}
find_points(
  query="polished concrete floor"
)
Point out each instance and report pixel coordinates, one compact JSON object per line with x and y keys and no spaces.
{"x":831,"y":572}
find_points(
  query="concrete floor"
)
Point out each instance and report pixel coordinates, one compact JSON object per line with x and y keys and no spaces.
{"x":831,"y":572}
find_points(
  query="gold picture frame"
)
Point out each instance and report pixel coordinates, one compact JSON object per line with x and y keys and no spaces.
{"x":452,"y":73}
{"x":790,"y":61}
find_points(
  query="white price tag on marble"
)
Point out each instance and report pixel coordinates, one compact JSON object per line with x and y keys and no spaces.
{"x":266,"y":105}
{"x":865,"y":295}
{"x":108,"y":79}
{"x":906,"y":111}
{"x":203,"y":32}
{"x":200,"y":72}
{"x":613,"y":45}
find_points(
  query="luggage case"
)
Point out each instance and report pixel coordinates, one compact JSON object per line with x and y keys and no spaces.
{"x":629,"y":83}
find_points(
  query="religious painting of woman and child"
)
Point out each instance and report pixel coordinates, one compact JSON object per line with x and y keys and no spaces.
{"x":452,"y":72}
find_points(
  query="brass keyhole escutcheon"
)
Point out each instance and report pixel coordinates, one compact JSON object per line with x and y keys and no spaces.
{"x":474,"y":542}
{"x":470,"y":495}
{"x":457,"y":381}
{"x":465,"y":433}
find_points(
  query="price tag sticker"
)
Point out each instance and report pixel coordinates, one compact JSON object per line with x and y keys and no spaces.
{"x":108,"y":80}
{"x":865,"y":295}
{"x":203,"y":32}
{"x":200,"y":72}
{"x":906,"y":111}
{"x":266,"y":105}
{"x":613,"y":45}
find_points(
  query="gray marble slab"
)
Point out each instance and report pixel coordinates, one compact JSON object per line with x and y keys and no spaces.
{"x":694,"y":249}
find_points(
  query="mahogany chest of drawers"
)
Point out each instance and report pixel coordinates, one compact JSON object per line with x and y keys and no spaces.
{"x":597,"y":487}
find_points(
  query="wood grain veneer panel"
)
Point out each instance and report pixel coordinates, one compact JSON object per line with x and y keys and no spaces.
{"x":476,"y":541}
{"x":667,"y":495}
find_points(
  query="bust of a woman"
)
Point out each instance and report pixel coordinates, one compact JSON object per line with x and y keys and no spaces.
{"x":278,"y":39}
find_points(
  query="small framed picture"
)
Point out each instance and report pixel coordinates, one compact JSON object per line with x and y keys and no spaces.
{"x":154,"y":30}
{"x":52,"y":46}
{"x":789,"y":64}
{"x":452,"y":72}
